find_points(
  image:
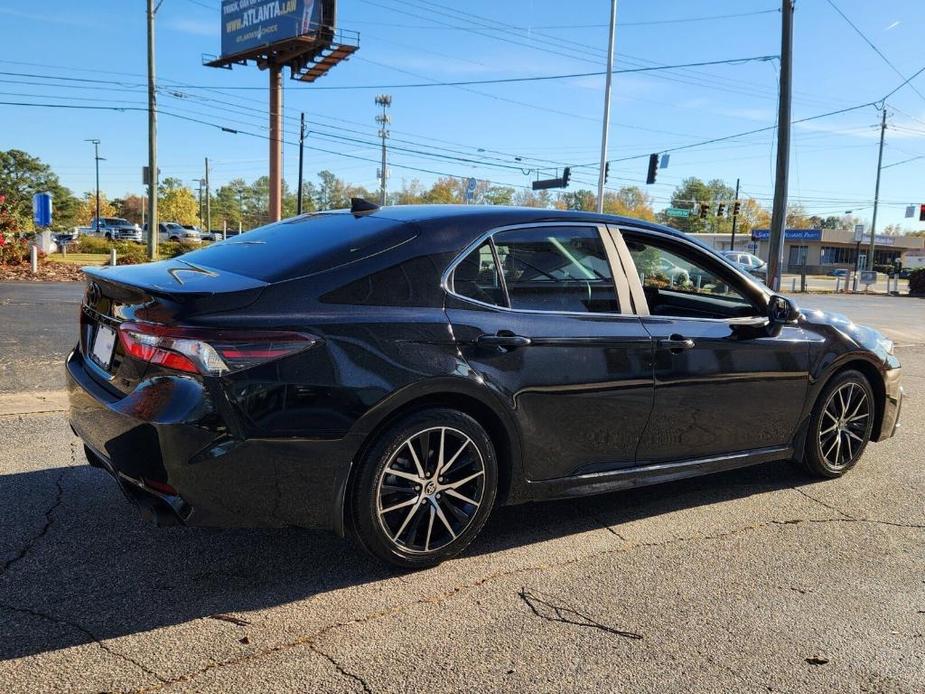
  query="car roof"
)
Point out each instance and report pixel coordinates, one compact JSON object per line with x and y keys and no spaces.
{"x":500,"y":214}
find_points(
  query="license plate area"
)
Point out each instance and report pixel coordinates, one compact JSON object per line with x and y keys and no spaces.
{"x":104,"y":345}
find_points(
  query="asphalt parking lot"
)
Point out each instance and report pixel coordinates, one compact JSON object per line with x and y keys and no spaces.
{"x":754,"y":580}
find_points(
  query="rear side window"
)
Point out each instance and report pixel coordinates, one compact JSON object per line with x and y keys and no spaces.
{"x":476,"y":277}
{"x":556,"y":269}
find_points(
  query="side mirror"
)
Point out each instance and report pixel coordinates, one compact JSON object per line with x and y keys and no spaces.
{"x":782,"y":310}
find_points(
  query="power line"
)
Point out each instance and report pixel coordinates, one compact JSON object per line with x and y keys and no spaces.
{"x":874,"y":47}
{"x":509,"y":80}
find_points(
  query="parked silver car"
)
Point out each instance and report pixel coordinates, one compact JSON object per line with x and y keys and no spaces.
{"x":749,"y":263}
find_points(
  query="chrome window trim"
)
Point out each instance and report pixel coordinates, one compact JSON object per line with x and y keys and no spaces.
{"x":446,"y":278}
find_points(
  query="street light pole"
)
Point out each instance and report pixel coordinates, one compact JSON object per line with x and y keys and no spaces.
{"x":779,"y":208}
{"x":605,"y":130}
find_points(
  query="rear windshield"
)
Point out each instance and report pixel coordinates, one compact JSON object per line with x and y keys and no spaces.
{"x":302,"y":246}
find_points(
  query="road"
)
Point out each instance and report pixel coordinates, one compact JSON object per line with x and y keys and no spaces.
{"x":754,"y":580}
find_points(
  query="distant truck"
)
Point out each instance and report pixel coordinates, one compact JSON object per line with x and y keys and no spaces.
{"x":113,"y":228}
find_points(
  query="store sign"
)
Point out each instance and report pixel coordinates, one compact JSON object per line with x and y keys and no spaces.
{"x":789,"y":234}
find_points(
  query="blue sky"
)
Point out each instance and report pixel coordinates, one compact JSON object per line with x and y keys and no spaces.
{"x":544,"y":124}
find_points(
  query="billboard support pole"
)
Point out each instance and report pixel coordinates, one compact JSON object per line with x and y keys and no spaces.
{"x":152,"y":141}
{"x":276,"y":142}
{"x":871,"y":251}
{"x":301,"y":160}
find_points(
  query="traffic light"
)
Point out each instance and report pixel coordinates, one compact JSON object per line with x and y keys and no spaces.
{"x":735,"y":208}
{"x":566,"y":176}
{"x":720,"y":209}
{"x":653,"y":168}
{"x":704,"y":210}
{"x":922,"y":213}
{"x":606,"y":171}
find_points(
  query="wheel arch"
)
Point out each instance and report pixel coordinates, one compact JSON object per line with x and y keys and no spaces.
{"x":869,"y":370}
{"x":484,"y":408}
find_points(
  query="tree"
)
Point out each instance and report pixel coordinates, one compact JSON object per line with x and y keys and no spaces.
{"x":21,"y":176}
{"x":331,"y":193}
{"x":445,"y":191}
{"x":577,"y":200}
{"x":86,"y":208}
{"x":131,"y":207}
{"x":691,"y":194}
{"x":629,"y":201}
{"x":411,"y":193}
{"x":530,"y":198}
{"x":178,"y":205}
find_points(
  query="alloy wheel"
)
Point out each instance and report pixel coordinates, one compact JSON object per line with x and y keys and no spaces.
{"x":430,"y":489}
{"x":844,"y":426}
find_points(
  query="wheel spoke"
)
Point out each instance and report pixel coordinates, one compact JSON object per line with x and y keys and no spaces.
{"x":461,"y":497}
{"x":829,"y":430}
{"x":443,"y":519}
{"x":456,"y":455}
{"x":830,"y":449}
{"x":837,"y":449}
{"x":407,"y":520}
{"x":457,"y":485}
{"x":404,"y":475}
{"x":415,"y":459}
{"x":857,"y":418}
{"x":403,"y":504}
{"x":829,"y":415}
{"x":848,"y":445}
{"x":430,"y":529}
{"x":853,"y":435}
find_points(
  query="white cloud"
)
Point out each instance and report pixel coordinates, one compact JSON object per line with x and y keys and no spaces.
{"x":893,"y":25}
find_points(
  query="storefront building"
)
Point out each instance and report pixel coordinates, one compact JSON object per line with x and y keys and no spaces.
{"x":822,"y":250}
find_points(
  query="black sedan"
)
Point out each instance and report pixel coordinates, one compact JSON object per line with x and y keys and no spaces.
{"x":394,"y":374}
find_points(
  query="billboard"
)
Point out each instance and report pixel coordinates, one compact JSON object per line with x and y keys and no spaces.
{"x":249,"y":25}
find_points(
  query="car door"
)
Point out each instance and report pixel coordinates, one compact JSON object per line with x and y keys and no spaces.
{"x":546,"y":321}
{"x":724,"y":382}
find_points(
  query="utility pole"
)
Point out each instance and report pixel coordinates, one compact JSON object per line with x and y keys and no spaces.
{"x":276,"y":142}
{"x":779,"y":208}
{"x":383,"y":119}
{"x":605,"y":130}
{"x":735,"y":217}
{"x":202,"y":218}
{"x":301,"y":159}
{"x":152,"y":140}
{"x":97,"y":158}
{"x":873,"y":223}
{"x":208,"y":200}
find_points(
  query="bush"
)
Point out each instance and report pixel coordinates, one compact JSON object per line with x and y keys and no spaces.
{"x":171,"y":249}
{"x":14,"y":251}
{"x":90,"y":244}
{"x":917,"y":282}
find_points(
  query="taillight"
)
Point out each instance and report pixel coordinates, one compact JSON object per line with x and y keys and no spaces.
{"x":206,"y":351}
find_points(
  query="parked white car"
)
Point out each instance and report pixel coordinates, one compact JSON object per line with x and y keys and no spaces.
{"x":171,"y":231}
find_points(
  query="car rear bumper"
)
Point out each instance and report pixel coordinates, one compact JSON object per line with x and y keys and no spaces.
{"x":169,"y":449}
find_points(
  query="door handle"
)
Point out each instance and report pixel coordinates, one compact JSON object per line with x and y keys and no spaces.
{"x":504,"y":338}
{"x":677,"y":344}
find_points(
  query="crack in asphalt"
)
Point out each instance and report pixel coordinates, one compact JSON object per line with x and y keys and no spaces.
{"x":847,"y":517}
{"x":93,"y":638}
{"x":823,"y":503}
{"x":49,"y":521}
{"x":310,"y":640}
{"x":565,"y":614}
{"x":340,"y":668}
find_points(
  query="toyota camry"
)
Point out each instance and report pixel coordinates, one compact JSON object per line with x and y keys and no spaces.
{"x":394,"y":374}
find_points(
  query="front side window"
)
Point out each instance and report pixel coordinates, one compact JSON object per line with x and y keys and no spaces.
{"x":557,"y":269}
{"x":678,"y":281}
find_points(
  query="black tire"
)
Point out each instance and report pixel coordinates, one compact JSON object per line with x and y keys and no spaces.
{"x":839,"y":431}
{"x":438,"y":524}
{"x":108,"y":236}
